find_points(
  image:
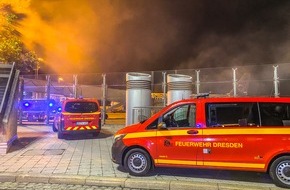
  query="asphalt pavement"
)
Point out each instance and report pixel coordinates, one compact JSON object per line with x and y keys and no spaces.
{"x":38,"y":156}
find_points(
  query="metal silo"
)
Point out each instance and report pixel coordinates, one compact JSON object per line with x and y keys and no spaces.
{"x":138,"y":97}
{"x":179,"y":87}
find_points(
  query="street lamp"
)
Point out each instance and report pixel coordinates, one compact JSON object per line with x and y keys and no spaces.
{"x":37,"y":66}
{"x":60,"y":79}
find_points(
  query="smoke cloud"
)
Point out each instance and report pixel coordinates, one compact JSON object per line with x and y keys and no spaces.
{"x":73,"y":36}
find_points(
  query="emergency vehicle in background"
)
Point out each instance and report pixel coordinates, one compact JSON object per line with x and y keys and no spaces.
{"x":78,"y":116}
{"x":235,"y":133}
{"x":38,"y":109}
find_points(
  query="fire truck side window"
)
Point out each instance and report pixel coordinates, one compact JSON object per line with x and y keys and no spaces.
{"x":182,"y":116}
{"x":153,"y":125}
{"x":232,"y":114}
{"x":275,"y":114}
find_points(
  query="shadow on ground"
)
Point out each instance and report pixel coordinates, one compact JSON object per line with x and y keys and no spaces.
{"x":230,"y":175}
{"x":21,"y":143}
{"x":103,"y":134}
{"x":214,"y":174}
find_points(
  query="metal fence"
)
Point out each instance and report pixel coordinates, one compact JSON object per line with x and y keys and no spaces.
{"x":110,"y":88}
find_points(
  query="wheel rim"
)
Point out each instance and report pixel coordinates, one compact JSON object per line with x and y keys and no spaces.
{"x":283,"y":172}
{"x":137,"y":162}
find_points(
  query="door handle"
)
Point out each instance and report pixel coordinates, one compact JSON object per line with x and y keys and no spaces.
{"x":192,"y":132}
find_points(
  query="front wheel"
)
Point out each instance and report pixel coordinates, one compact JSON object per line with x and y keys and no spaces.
{"x":54,"y":127}
{"x":137,"y":162}
{"x":280,"y":171}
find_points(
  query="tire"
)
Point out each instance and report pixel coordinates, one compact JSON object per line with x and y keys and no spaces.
{"x":60,"y":135}
{"x":29,"y":119}
{"x":137,"y":162}
{"x":280,"y":171}
{"x":100,"y":124}
{"x":54,"y":128}
{"x":95,"y":134}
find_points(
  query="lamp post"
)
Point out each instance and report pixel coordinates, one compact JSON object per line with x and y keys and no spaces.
{"x":37,"y":66}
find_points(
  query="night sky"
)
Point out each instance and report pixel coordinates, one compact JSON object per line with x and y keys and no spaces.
{"x":93,"y":36}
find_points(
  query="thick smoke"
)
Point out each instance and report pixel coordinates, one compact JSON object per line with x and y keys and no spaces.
{"x":135,"y":35}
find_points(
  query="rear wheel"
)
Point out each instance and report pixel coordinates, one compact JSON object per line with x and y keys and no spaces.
{"x":95,"y":134}
{"x":280,"y":171}
{"x":60,"y":135}
{"x":137,"y":162}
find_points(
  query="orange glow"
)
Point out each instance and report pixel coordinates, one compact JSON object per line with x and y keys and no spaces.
{"x":72,"y":36}
{"x":18,"y":5}
{"x":68,"y":39}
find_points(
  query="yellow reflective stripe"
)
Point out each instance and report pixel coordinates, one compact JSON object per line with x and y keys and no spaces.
{"x":234,"y":164}
{"x":213,"y":164}
{"x":81,"y":118}
{"x":157,"y":133}
{"x":81,"y":128}
{"x":199,"y":163}
{"x":139,"y":135}
{"x":209,"y":131}
{"x":247,"y":131}
{"x":77,"y":114}
{"x":182,"y":162}
{"x":174,"y":132}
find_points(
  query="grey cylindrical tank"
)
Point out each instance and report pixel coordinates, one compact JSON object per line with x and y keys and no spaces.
{"x":138,"y":95}
{"x":179,"y":87}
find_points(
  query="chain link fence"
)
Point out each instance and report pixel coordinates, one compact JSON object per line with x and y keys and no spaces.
{"x":110,"y":88}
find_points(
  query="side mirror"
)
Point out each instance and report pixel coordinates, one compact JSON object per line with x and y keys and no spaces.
{"x":161,"y":126}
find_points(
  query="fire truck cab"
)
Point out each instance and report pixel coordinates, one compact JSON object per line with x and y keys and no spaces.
{"x":235,"y":133}
{"x":78,"y":116}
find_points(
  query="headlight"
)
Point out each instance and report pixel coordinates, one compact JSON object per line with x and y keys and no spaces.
{"x":119,"y":137}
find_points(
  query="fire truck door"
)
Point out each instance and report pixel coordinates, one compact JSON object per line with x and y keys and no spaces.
{"x":178,"y":146}
{"x":179,"y":139}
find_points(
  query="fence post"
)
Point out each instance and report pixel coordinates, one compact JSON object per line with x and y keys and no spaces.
{"x":47,"y":97}
{"x":21,"y":89}
{"x":164,"y":88}
{"x":104,"y":99}
{"x":197,"y":82}
{"x":152,"y":81}
{"x":276,"y":81}
{"x":234,"y":81}
{"x":75,"y":86}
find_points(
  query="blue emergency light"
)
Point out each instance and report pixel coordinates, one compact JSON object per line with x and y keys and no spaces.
{"x":26,"y":104}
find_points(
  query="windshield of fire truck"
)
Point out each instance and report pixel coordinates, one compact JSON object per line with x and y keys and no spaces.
{"x":81,"y":107}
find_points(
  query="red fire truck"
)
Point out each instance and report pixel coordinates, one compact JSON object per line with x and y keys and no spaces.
{"x":78,"y":116}
{"x":247,"y":134}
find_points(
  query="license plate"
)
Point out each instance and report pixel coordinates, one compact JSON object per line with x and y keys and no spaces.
{"x":82,"y":123}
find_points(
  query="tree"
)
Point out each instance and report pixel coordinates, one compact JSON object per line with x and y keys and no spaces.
{"x":12,"y":49}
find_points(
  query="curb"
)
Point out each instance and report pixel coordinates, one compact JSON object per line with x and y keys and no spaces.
{"x":134,"y":183}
